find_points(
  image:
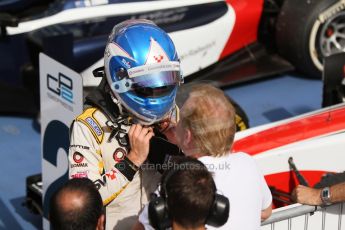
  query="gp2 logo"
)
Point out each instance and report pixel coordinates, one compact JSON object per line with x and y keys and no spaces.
{"x":61,"y":86}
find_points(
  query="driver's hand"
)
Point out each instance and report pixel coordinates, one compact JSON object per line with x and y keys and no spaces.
{"x":139,"y":139}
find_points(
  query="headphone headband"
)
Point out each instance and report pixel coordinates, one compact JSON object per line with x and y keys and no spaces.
{"x":185,"y":165}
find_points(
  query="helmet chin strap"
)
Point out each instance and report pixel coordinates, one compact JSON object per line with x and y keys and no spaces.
{"x":142,"y":122}
{"x":117,"y":102}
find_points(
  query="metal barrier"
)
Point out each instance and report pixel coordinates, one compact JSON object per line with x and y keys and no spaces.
{"x":297,"y":216}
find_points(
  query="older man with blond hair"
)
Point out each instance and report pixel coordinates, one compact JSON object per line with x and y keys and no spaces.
{"x":206,"y":131}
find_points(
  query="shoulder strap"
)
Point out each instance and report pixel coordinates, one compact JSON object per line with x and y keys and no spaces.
{"x":88,"y":119}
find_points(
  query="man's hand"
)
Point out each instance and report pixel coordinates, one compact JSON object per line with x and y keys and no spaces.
{"x":267,"y":212}
{"x":139,"y":139}
{"x":307,"y":195}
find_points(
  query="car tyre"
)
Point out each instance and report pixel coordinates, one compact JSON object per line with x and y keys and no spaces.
{"x":307,"y":31}
{"x":242,"y":121}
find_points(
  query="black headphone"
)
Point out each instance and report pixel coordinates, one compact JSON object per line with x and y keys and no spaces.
{"x":158,"y":207}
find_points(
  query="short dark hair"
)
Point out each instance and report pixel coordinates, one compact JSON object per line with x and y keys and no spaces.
{"x":65,"y":215}
{"x":189,"y":190}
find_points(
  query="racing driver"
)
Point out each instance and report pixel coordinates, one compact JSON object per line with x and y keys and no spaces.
{"x":142,"y":75}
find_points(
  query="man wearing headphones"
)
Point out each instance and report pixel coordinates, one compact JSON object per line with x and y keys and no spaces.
{"x":188,"y":199}
{"x":206,"y":131}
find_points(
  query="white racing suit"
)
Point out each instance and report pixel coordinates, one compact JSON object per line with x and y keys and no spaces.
{"x":98,"y":149}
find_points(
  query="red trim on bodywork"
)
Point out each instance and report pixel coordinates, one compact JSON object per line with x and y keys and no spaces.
{"x":312,"y":126}
{"x":286,"y":182}
{"x":248,"y":14}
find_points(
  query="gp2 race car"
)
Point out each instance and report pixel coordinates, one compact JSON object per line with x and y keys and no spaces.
{"x":226,"y":41}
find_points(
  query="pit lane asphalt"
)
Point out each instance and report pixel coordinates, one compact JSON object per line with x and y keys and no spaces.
{"x":264,"y":101}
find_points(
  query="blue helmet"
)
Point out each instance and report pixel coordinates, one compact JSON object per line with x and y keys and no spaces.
{"x":142,"y":69}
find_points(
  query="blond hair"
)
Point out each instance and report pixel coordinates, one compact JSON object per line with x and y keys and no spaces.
{"x":210,"y":117}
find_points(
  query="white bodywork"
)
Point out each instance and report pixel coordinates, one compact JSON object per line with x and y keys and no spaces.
{"x":99,"y":11}
{"x":197,"y":47}
{"x":324,"y":152}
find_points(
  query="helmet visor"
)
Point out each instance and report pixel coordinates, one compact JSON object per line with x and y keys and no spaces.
{"x":156,"y":85}
{"x":155,"y":80}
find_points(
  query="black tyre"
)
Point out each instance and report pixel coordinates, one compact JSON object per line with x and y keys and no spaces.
{"x":309,"y":30}
{"x":242,"y":121}
{"x":33,"y":199}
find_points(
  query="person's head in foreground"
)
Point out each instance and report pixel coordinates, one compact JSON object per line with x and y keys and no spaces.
{"x":77,"y":205}
{"x":143,"y":70}
{"x":207,"y":121}
{"x":188,"y":198}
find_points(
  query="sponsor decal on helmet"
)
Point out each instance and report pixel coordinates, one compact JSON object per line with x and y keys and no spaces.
{"x":158,"y":58}
{"x":78,"y":157}
{"x":126,"y":63}
{"x":153,"y":68}
{"x":119,"y":154}
{"x":156,"y":54}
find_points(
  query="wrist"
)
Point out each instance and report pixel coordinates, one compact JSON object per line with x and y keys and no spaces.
{"x":127,"y":168}
{"x":134,"y":159}
{"x":325,"y":196}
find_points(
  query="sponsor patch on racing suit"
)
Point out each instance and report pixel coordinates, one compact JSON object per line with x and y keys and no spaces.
{"x":94,"y":154}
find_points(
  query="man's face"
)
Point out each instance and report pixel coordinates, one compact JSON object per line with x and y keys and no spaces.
{"x":182,"y":134}
{"x":179,"y":133}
